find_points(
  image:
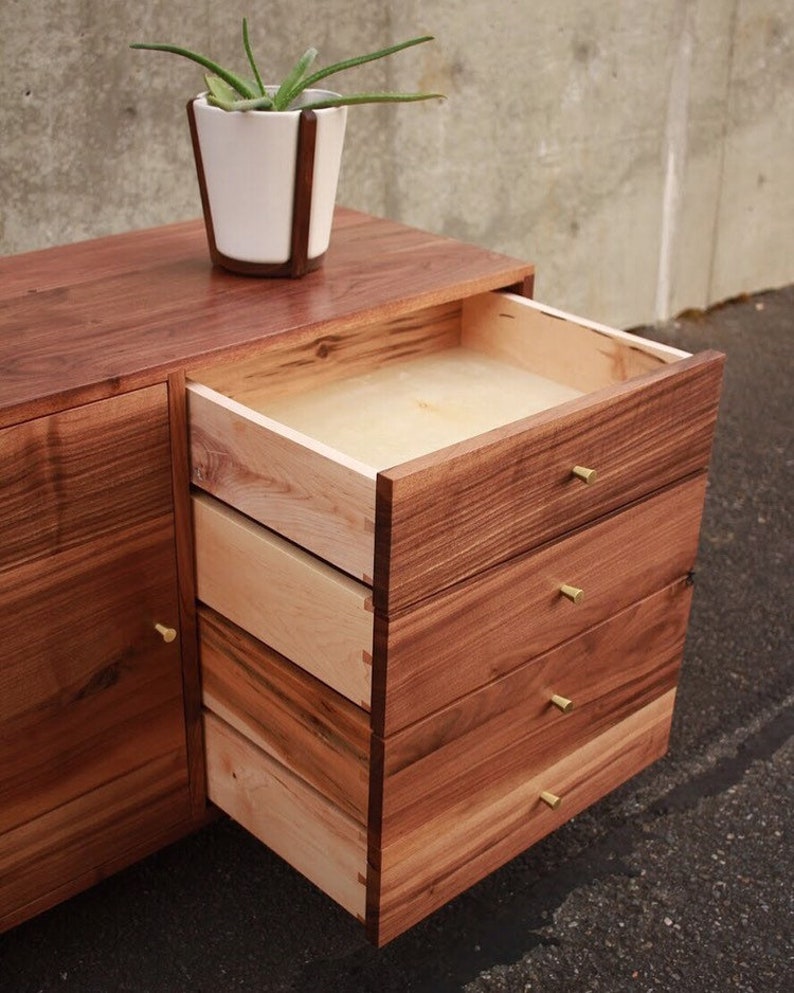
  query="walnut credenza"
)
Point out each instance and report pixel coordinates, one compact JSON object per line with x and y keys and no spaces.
{"x":390,"y":563}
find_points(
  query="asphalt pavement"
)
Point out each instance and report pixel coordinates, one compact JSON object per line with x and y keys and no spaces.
{"x":680,"y":881}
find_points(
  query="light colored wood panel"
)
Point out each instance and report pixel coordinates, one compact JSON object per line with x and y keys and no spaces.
{"x":58,"y":473}
{"x":299,"y":824}
{"x":564,"y":348}
{"x":398,"y":412}
{"x":443,"y":518}
{"x":303,"y":608}
{"x":313,"y":495}
{"x":428,"y":867}
{"x":294,"y":364}
{"x":464,"y":638}
{"x":313,"y":731}
{"x":92,"y":834}
{"x":511,"y":728}
{"x":88,"y":688}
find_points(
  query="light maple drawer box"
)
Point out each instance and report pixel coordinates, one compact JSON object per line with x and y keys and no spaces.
{"x":416,"y":452}
{"x":487,"y":775}
{"x":404,"y":667}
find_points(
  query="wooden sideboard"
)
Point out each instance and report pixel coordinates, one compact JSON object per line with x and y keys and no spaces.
{"x":376,"y":655}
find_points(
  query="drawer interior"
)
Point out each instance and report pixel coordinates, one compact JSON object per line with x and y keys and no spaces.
{"x":392,"y":392}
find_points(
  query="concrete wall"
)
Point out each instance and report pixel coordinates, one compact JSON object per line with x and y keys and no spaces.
{"x":641,"y":153}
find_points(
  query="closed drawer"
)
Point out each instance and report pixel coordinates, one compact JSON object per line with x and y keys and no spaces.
{"x":519,"y":724}
{"x":423,"y":869}
{"x":446,"y":647}
{"x":303,"y":608}
{"x":417,"y":453}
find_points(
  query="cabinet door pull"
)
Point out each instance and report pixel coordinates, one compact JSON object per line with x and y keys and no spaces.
{"x":562,"y":703}
{"x":168,"y":634}
{"x":551,"y":799}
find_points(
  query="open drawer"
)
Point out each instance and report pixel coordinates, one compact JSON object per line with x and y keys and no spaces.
{"x":415,"y":453}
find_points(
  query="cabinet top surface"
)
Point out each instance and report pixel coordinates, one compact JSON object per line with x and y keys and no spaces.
{"x":85,"y":321}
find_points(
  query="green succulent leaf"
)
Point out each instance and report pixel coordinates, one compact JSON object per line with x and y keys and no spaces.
{"x":220,"y":90}
{"x":356,"y":98}
{"x":251,"y":60}
{"x":361,"y":60}
{"x":235,"y":81}
{"x":254,"y":103}
{"x":293,"y":84}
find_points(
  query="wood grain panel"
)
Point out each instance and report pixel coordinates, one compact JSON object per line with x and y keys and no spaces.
{"x":510,"y":729}
{"x":93,"y":834}
{"x":464,"y":638}
{"x":83,"y":323}
{"x":88,"y":689}
{"x":311,"y":613}
{"x":81,"y":474}
{"x":312,"y":495}
{"x":313,"y":731}
{"x":299,"y":824}
{"x":567,"y":349}
{"x":443,"y":518}
{"x":428,"y":867}
{"x":293,"y":364}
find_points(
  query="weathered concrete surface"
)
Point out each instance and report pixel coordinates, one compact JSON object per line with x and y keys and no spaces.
{"x":680,"y":882}
{"x":639,"y":152}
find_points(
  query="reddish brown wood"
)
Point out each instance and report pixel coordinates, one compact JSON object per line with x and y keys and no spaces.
{"x":183,"y":535}
{"x":73,"y":476}
{"x":450,"y":515}
{"x":79,"y":323}
{"x":298,"y":720}
{"x":480,"y":630}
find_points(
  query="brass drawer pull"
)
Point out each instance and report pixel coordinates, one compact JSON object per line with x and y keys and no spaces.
{"x":551,"y":799}
{"x":586,"y":475}
{"x":572,"y":593}
{"x":563,"y":703}
{"x":169,"y":634}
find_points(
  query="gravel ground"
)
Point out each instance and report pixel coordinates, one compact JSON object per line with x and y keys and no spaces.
{"x":680,"y":881}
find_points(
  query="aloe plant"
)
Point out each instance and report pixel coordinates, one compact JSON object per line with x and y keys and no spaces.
{"x":230,"y":91}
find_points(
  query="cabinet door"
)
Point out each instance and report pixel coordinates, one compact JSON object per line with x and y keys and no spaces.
{"x":93,"y":767}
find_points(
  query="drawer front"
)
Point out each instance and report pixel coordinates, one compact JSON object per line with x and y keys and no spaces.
{"x":444,"y":518}
{"x":520,"y":724}
{"x":315,"y":732}
{"x":427,"y":867}
{"x":319,"y":840}
{"x":456,"y":642}
{"x":303,"y":608}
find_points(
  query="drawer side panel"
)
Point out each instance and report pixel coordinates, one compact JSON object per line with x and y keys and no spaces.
{"x":300,"y":825}
{"x":298,"y":720}
{"x":302,"y":607}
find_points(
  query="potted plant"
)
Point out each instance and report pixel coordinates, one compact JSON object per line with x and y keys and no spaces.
{"x":268,"y":157}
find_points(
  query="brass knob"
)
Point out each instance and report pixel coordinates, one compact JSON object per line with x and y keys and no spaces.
{"x":564,"y":704}
{"x":586,"y":475}
{"x":551,"y":799}
{"x":572,"y":593}
{"x":169,"y":634}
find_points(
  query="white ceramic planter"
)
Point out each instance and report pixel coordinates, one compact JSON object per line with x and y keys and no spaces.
{"x":248,"y":161}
